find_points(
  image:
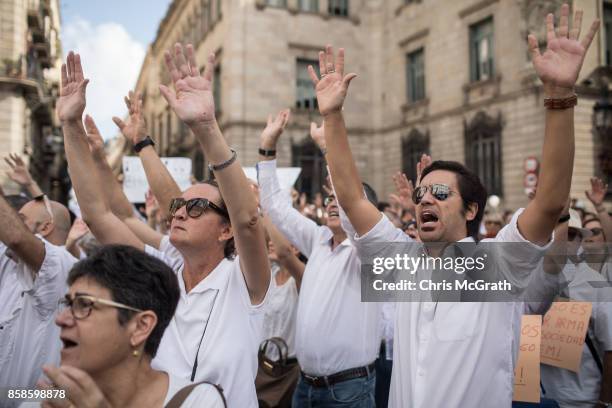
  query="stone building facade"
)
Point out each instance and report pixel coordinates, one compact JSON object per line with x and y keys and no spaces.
{"x":451,"y":78}
{"x":30,"y":61}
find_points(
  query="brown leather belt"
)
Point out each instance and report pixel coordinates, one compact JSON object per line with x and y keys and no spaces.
{"x":329,"y":380}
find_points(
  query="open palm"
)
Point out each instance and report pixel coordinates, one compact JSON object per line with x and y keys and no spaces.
{"x":71,"y":103}
{"x":560,"y":64}
{"x":333,"y":85}
{"x":135,"y":128}
{"x":192,"y":99}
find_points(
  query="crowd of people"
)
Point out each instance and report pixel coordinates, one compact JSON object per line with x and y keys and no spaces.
{"x":238,"y":293}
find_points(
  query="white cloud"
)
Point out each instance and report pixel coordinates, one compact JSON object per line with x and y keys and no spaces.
{"x":111,"y":60}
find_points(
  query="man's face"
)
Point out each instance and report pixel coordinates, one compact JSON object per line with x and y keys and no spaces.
{"x":97,"y":341}
{"x":596,"y":242}
{"x":201,"y":232}
{"x":441,"y":220}
{"x":333,"y":213}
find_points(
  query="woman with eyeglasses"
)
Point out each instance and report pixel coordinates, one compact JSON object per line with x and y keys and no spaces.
{"x":118,"y":305}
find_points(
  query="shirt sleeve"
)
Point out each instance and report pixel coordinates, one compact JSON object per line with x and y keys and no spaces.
{"x":298,"y":229}
{"x":541,"y":291}
{"x":50,"y":282}
{"x":372,"y":243}
{"x":517,"y":257}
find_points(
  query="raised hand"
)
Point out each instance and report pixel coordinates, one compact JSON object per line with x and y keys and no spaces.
{"x":19,"y":172}
{"x":404,"y":189}
{"x":71,"y":103}
{"x":77,"y":231}
{"x":274,"y":128}
{"x":192,"y":98}
{"x":559,"y":66}
{"x":317,"y":133}
{"x":333,"y":85}
{"x":94,"y":138}
{"x":598,"y":192}
{"x":151,"y":204}
{"x":421,"y":165}
{"x":135,"y":129}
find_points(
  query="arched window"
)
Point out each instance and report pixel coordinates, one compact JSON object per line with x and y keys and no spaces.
{"x":413,"y":146}
{"x":483,"y":150}
{"x":308,"y":156}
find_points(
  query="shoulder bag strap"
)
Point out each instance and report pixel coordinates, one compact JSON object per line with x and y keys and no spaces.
{"x":180,"y":397}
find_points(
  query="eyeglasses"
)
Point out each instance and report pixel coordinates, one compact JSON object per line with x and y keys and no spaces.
{"x":81,"y":305}
{"x":439,"y":191}
{"x":596,"y":231}
{"x":45,"y":200}
{"x":572,"y":233}
{"x":328,"y":200}
{"x":195,"y":207}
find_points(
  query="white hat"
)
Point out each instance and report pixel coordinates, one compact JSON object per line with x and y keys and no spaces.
{"x":576,"y":222}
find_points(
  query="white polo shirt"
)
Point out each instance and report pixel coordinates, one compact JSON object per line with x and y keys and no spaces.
{"x":456,"y":354}
{"x":219,"y":309}
{"x":29,"y":337}
{"x":335,"y":331}
{"x":577,"y":390}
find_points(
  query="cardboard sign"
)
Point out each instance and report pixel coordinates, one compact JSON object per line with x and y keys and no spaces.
{"x":135,"y":184}
{"x":563,"y":333}
{"x":527,"y":370}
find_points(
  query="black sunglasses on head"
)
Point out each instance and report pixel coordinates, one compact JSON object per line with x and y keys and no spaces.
{"x":196,"y":207}
{"x":572,"y":233}
{"x":439,"y":191}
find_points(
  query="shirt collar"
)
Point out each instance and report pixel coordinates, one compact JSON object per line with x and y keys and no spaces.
{"x":215,"y":280}
{"x":327,"y":235}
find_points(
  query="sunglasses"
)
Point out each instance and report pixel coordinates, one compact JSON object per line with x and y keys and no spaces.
{"x":596,"y":231}
{"x":196,"y":207}
{"x":572,"y":233}
{"x":328,"y":200}
{"x":81,"y":305}
{"x":439,"y":191}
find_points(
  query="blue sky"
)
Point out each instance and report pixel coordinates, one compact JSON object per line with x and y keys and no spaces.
{"x":112,"y":37}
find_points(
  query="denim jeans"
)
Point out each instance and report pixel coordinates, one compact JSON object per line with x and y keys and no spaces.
{"x":356,"y":393}
{"x":544,"y":403}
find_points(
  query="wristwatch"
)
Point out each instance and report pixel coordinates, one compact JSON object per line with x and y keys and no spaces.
{"x":267,"y":153}
{"x":147,"y":141}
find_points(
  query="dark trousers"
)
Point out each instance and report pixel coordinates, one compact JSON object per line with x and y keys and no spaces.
{"x":383,"y":379}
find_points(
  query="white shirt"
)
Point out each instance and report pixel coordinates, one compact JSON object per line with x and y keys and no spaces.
{"x":335,"y":331}
{"x":582,"y":389}
{"x":221,"y":307}
{"x":457,"y":354}
{"x":202,"y":396}
{"x":281,"y":311}
{"x":29,"y":337}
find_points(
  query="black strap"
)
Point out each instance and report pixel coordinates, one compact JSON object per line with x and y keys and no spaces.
{"x":593,"y":351}
{"x":180,"y":397}
{"x":195,"y":362}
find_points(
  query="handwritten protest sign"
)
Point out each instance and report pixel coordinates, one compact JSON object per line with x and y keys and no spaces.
{"x":527,"y":370}
{"x":563,"y":333}
{"x":135,"y":183}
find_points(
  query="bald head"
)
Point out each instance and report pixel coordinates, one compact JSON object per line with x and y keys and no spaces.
{"x":36,"y":216}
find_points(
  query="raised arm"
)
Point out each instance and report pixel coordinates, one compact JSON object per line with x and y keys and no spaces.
{"x":106,"y":227}
{"x":558,"y":69}
{"x":135,"y":130}
{"x":331,"y":91}
{"x":596,"y":196}
{"x":193,"y":102}
{"x":21,"y":175}
{"x":16,"y":236}
{"x":284,"y":253}
{"x":112,"y":191}
{"x":299,"y":229}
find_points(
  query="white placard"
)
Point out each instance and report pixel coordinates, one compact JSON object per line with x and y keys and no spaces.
{"x":135,"y":184}
{"x":287,"y":176}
